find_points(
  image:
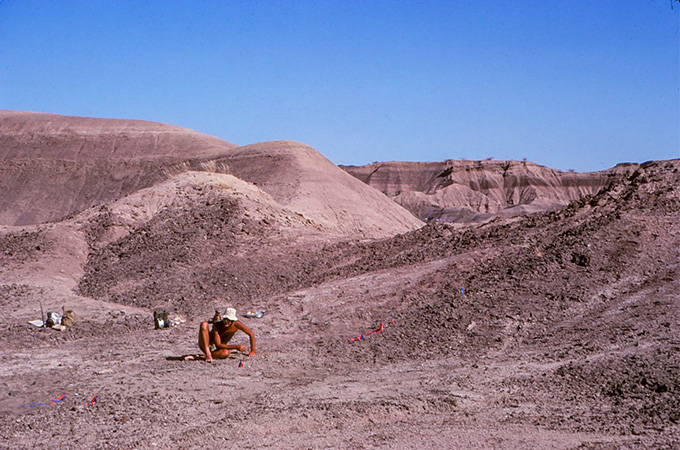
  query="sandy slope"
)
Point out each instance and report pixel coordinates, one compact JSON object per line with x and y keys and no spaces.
{"x":565,"y":336}
{"x":55,"y":166}
{"x":52,"y":166}
{"x":300,"y":178}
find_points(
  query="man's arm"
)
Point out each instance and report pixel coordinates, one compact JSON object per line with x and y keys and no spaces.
{"x":250,"y":334}
{"x":217,"y":340}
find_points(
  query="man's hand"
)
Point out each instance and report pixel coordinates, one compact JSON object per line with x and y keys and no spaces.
{"x":252,"y":353}
{"x":241,"y":348}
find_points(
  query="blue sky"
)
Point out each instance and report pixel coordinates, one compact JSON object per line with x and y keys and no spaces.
{"x":573,"y":84}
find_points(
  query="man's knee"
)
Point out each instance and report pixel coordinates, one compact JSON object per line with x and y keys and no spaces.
{"x":221,"y":354}
{"x":205,"y":326}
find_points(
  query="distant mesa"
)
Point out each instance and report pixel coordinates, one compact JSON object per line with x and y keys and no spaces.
{"x":478,"y":191}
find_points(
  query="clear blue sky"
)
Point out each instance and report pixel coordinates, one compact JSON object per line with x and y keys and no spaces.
{"x":569,"y":84}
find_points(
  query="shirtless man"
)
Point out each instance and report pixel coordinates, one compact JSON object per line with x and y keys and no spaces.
{"x":215,"y":343}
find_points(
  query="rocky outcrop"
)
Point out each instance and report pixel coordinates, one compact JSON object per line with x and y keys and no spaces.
{"x":477,"y":191}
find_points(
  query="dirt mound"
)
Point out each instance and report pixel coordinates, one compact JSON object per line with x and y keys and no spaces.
{"x":33,"y":136}
{"x":478,"y":191}
{"x":300,"y":178}
{"x":55,"y":166}
{"x":194,"y":239}
{"x":52,"y":166}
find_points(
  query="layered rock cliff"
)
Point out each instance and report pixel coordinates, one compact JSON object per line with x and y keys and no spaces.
{"x":477,"y":191}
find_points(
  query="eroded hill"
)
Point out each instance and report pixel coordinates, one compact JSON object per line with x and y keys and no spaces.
{"x":54,"y":166}
{"x":558,"y":329}
{"x":478,"y":191}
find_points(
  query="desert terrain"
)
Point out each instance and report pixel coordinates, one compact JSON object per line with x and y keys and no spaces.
{"x":532,"y":309}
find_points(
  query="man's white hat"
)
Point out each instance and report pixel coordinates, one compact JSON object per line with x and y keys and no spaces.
{"x":230,"y":314}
